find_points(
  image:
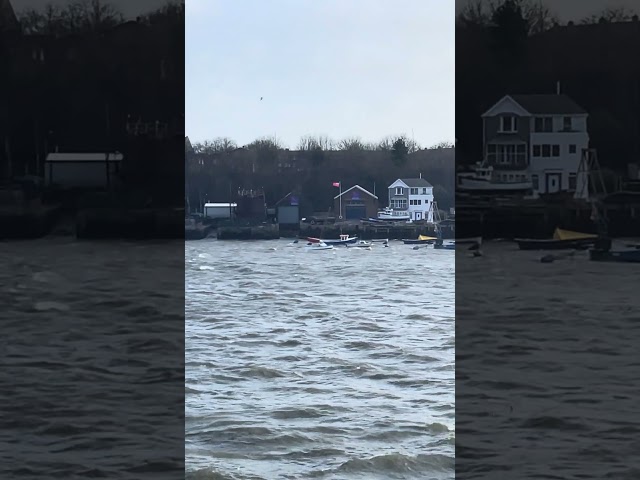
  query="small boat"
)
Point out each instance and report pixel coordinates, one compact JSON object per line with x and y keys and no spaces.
{"x":394,"y":215}
{"x":379,"y":240}
{"x":359,"y":244}
{"x":312,"y":247}
{"x":444,"y":246}
{"x":344,"y":240}
{"x":622,"y":256}
{"x":562,"y":239}
{"x":421,"y":240}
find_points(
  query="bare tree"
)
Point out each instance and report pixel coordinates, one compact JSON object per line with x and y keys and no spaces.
{"x":440,"y":145}
{"x":538,"y":16}
{"x":610,"y":15}
{"x":386,"y":144}
{"x":351,"y":144}
{"x":480,"y":13}
{"x":77,"y":16}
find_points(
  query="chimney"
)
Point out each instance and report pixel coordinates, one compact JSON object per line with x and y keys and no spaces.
{"x":420,"y":174}
{"x":558,"y":88}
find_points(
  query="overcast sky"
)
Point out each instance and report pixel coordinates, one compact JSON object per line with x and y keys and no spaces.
{"x":366,"y":68}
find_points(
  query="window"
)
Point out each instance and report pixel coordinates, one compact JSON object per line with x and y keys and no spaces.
{"x":424,"y":191}
{"x":543,"y":124}
{"x":572,"y":181}
{"x":536,"y":151}
{"x":546,"y":150}
{"x":414,"y":191}
{"x":567,"y":123}
{"x":399,"y":204}
{"x":508,"y":154}
{"x":399,"y":190}
{"x":572,"y":149}
{"x":419,"y":202}
{"x":509,"y":124}
{"x":534,"y":182}
{"x":555,"y":150}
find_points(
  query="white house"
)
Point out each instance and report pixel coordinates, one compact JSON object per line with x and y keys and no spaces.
{"x":542,"y":136}
{"x":219,"y":210}
{"x":413,"y":195}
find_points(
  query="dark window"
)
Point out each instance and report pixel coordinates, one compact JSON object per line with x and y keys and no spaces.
{"x":572,"y":181}
{"x":567,"y":123}
{"x":509,"y":124}
{"x":546,"y":150}
{"x":543,"y":124}
{"x":534,"y":181}
{"x":555,"y":152}
{"x":536,"y":150}
{"x":572,"y":149}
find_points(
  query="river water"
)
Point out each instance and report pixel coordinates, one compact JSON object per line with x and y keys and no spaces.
{"x":332,"y":365}
{"x":547,"y":366}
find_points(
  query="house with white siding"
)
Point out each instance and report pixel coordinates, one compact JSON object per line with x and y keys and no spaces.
{"x":413,"y":196}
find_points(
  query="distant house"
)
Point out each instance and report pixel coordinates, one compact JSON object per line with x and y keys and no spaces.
{"x":355,"y":203}
{"x":83,"y":170}
{"x":413,"y":195}
{"x":540,"y":137}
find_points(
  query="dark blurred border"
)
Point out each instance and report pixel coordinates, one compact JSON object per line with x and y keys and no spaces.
{"x":92,"y":212}
{"x":544,"y":338}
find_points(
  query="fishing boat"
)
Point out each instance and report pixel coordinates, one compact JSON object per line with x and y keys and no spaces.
{"x":562,"y":239}
{"x":359,"y":244}
{"x":390,"y":214}
{"x":483,"y":178}
{"x":344,"y":240}
{"x":421,"y":240}
{"x":314,"y":247}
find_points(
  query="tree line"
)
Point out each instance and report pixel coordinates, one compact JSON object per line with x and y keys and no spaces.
{"x":216,"y":169}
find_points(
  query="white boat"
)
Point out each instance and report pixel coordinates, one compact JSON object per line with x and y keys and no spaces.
{"x":379,"y":240}
{"x":359,"y":244}
{"x":486,"y":179}
{"x":395,"y":215}
{"x":312,"y":247}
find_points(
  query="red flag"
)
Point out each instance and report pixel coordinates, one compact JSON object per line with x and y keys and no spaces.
{"x":336,"y":184}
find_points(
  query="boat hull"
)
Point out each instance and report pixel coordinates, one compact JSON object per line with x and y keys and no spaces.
{"x":477,"y":185}
{"x":417,"y":242}
{"x":554,"y":244}
{"x":621,"y":256}
{"x":333,"y":242}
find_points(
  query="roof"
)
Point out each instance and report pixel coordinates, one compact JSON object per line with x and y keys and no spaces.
{"x":359,"y":188}
{"x":8,"y":20}
{"x":415,"y":182}
{"x":83,"y":157}
{"x":548,"y":103}
{"x":226,"y":205}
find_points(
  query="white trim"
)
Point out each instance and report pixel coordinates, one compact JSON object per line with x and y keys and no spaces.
{"x":522,"y":111}
{"x":398,"y":183}
{"x":359,"y":188}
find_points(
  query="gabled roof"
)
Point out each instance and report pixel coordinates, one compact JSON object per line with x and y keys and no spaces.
{"x":359,"y":188}
{"x":543,"y":104}
{"x":414,"y":182}
{"x":8,"y":20}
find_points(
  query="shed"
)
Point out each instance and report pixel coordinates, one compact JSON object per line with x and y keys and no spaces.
{"x":83,"y":170}
{"x":288,"y":209}
{"x":219,"y":210}
{"x":356,"y":203}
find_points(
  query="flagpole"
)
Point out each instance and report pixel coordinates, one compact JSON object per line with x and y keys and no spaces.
{"x":340,"y":214}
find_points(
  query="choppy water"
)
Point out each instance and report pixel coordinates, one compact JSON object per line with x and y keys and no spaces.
{"x":332,"y":365}
{"x":91,"y":384}
{"x":546,"y":366}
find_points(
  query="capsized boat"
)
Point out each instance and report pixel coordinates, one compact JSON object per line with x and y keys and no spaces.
{"x":314,"y":247}
{"x":562,"y":239}
{"x":421,"y":240}
{"x":359,"y":244}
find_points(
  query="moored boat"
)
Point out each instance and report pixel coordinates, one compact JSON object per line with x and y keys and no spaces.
{"x":344,"y":240}
{"x":421,"y":240}
{"x":359,"y":244}
{"x":622,"y":256}
{"x":562,"y":239}
{"x":390,"y":214}
{"x":444,"y":246}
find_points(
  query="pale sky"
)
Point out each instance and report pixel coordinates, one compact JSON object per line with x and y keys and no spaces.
{"x":342,"y":68}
